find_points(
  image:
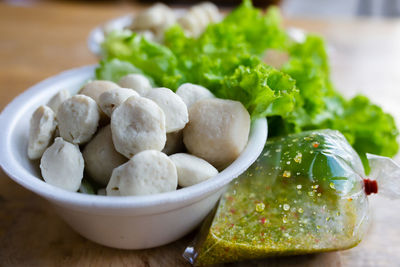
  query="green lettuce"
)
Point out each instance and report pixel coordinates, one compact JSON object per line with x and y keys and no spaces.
{"x":367,"y":127}
{"x":228,"y":59}
{"x":223,"y":59}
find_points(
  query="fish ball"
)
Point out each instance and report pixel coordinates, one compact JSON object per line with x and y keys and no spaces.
{"x":191,"y":93}
{"x":111,"y":99}
{"x":101,"y":157}
{"x":175,"y":110}
{"x":78,"y":118}
{"x":148,"y":172}
{"x":191,"y":169}
{"x":42,"y":126}
{"x":95,"y":88}
{"x":57,"y":99}
{"x":190,"y":26}
{"x":62,"y":165}
{"x":138,"y":124}
{"x":200,"y":15}
{"x":158,"y":15}
{"x":218,"y":130}
{"x":137,"y":82}
{"x":211,"y":10}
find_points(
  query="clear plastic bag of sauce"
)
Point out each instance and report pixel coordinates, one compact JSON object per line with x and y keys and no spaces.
{"x":306,"y":193}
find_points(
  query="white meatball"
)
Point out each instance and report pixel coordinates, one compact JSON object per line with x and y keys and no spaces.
{"x":201,"y":16}
{"x":156,"y":19}
{"x":190,"y":26}
{"x":111,"y":99}
{"x":62,"y":165}
{"x":191,"y":93}
{"x":78,"y":118}
{"x":158,"y":15}
{"x":211,"y":10}
{"x":149,"y":18}
{"x":57,"y":99}
{"x":218,"y":130}
{"x":198,"y":18}
{"x":169,"y":19}
{"x":175,"y":110}
{"x":148,"y":172}
{"x":191,"y":169}
{"x":95,"y":88}
{"x":137,"y":82}
{"x":42,"y":126}
{"x":138,"y":124}
{"x":174,"y":143}
{"x":101,"y":157}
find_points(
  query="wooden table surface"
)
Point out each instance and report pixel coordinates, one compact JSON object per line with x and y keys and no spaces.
{"x":43,"y":39}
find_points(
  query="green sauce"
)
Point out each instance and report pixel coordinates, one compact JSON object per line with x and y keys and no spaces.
{"x":302,"y":195}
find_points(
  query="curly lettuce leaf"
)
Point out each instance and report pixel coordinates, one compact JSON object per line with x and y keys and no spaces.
{"x":367,"y":127}
{"x":115,"y":69}
{"x":223,"y":59}
{"x":264,"y":90}
{"x":227,"y":59}
{"x":154,"y":60}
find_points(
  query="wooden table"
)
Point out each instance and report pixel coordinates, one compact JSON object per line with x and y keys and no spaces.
{"x":44,"y":39}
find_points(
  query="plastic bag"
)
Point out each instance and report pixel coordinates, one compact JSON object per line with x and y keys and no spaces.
{"x":306,"y":193}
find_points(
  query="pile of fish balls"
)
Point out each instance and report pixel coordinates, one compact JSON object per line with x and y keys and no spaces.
{"x":131,"y":139}
{"x":151,"y":23}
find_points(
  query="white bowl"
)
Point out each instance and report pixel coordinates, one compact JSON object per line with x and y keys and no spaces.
{"x":134,"y":222}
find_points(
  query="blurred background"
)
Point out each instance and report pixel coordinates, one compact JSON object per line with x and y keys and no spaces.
{"x":290,"y":8}
{"x":342,"y":8}
{"x":323,"y":8}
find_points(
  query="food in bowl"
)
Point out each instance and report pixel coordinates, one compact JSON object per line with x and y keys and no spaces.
{"x":137,"y":82}
{"x":62,"y":165}
{"x":111,"y":99}
{"x":192,"y":170}
{"x":175,"y":110}
{"x":127,"y":155}
{"x":217,"y":130}
{"x":191,"y":93}
{"x":147,"y":172}
{"x":42,"y":127}
{"x":138,"y":124}
{"x":57,"y":99}
{"x":78,"y":119}
{"x":101,"y":158}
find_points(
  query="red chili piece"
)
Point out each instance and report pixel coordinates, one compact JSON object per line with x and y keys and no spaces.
{"x":370,"y":186}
